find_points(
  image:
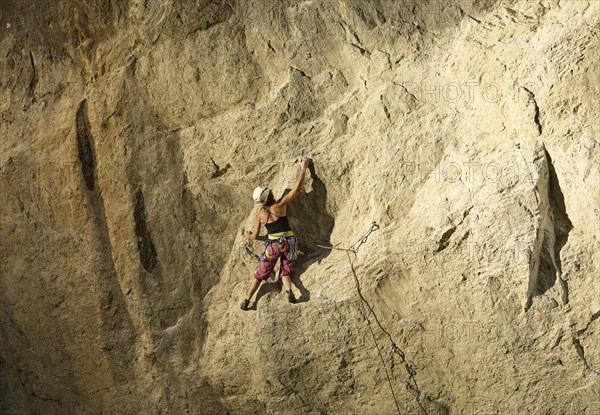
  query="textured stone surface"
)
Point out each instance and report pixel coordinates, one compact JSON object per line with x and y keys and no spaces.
{"x":468,"y":130}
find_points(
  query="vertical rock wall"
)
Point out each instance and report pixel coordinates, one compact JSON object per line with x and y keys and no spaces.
{"x":133,"y":133}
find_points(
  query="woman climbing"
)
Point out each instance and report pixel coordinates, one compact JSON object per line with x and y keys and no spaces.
{"x":280,"y":243}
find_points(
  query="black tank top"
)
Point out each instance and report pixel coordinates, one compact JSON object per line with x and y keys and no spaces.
{"x":280,"y":225}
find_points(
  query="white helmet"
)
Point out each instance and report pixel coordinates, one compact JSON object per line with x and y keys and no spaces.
{"x":260,"y":195}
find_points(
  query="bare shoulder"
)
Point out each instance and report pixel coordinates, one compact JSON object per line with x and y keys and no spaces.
{"x":279,"y":208}
{"x":260,"y":216}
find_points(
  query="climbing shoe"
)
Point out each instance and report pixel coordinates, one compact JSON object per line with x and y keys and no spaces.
{"x":291,"y":297}
{"x":244,"y":305}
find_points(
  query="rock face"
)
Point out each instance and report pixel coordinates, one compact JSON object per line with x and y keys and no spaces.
{"x":133,"y":133}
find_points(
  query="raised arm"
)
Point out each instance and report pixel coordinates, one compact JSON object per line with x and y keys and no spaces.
{"x":298,"y":188}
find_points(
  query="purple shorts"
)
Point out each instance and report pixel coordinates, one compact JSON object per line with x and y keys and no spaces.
{"x":284,"y":249}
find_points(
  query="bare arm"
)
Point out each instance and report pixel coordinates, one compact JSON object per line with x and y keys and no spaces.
{"x":253,"y":235}
{"x":298,"y":188}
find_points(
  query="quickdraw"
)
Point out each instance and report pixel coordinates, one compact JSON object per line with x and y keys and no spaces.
{"x":354,"y":248}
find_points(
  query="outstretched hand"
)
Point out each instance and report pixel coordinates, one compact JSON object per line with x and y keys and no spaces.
{"x":305,"y":161}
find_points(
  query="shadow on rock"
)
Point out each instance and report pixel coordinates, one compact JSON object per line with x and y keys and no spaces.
{"x":313,"y":226}
{"x":264,"y":289}
{"x":304,"y":292}
{"x":311,"y":222}
{"x":277,"y":286}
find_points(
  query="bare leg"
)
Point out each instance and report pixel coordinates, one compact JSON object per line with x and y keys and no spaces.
{"x":287,"y":282}
{"x":253,"y":287}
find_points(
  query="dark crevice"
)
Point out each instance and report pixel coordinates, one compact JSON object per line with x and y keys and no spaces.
{"x":218,"y":171}
{"x":557,"y":341}
{"x":43,"y":398}
{"x":84,"y":145}
{"x":387,"y":112}
{"x":547,"y":268}
{"x":579,"y":349}
{"x":299,"y":72}
{"x":115,"y":325}
{"x":34,"y":78}
{"x":536,"y":116}
{"x":412,"y":96}
{"x":445,"y":239}
{"x":552,"y":232}
{"x":594,"y":317}
{"x":362,"y":50}
{"x":581,"y":353}
{"x":463,"y":238}
{"x":462,"y":14}
{"x":466,"y":213}
{"x":133,"y":65}
{"x":562,"y":224}
{"x":146,"y":248}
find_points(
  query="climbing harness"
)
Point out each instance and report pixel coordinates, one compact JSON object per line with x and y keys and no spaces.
{"x":287,"y":243}
{"x":411,"y":383}
{"x":280,"y":234}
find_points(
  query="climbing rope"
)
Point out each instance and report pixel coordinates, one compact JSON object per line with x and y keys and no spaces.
{"x":250,"y":251}
{"x":354,"y":248}
{"x":411,"y":383}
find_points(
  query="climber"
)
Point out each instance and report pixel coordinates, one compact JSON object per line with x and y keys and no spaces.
{"x":281,"y":244}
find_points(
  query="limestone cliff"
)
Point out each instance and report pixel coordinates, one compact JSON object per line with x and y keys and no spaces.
{"x":134,"y":131}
